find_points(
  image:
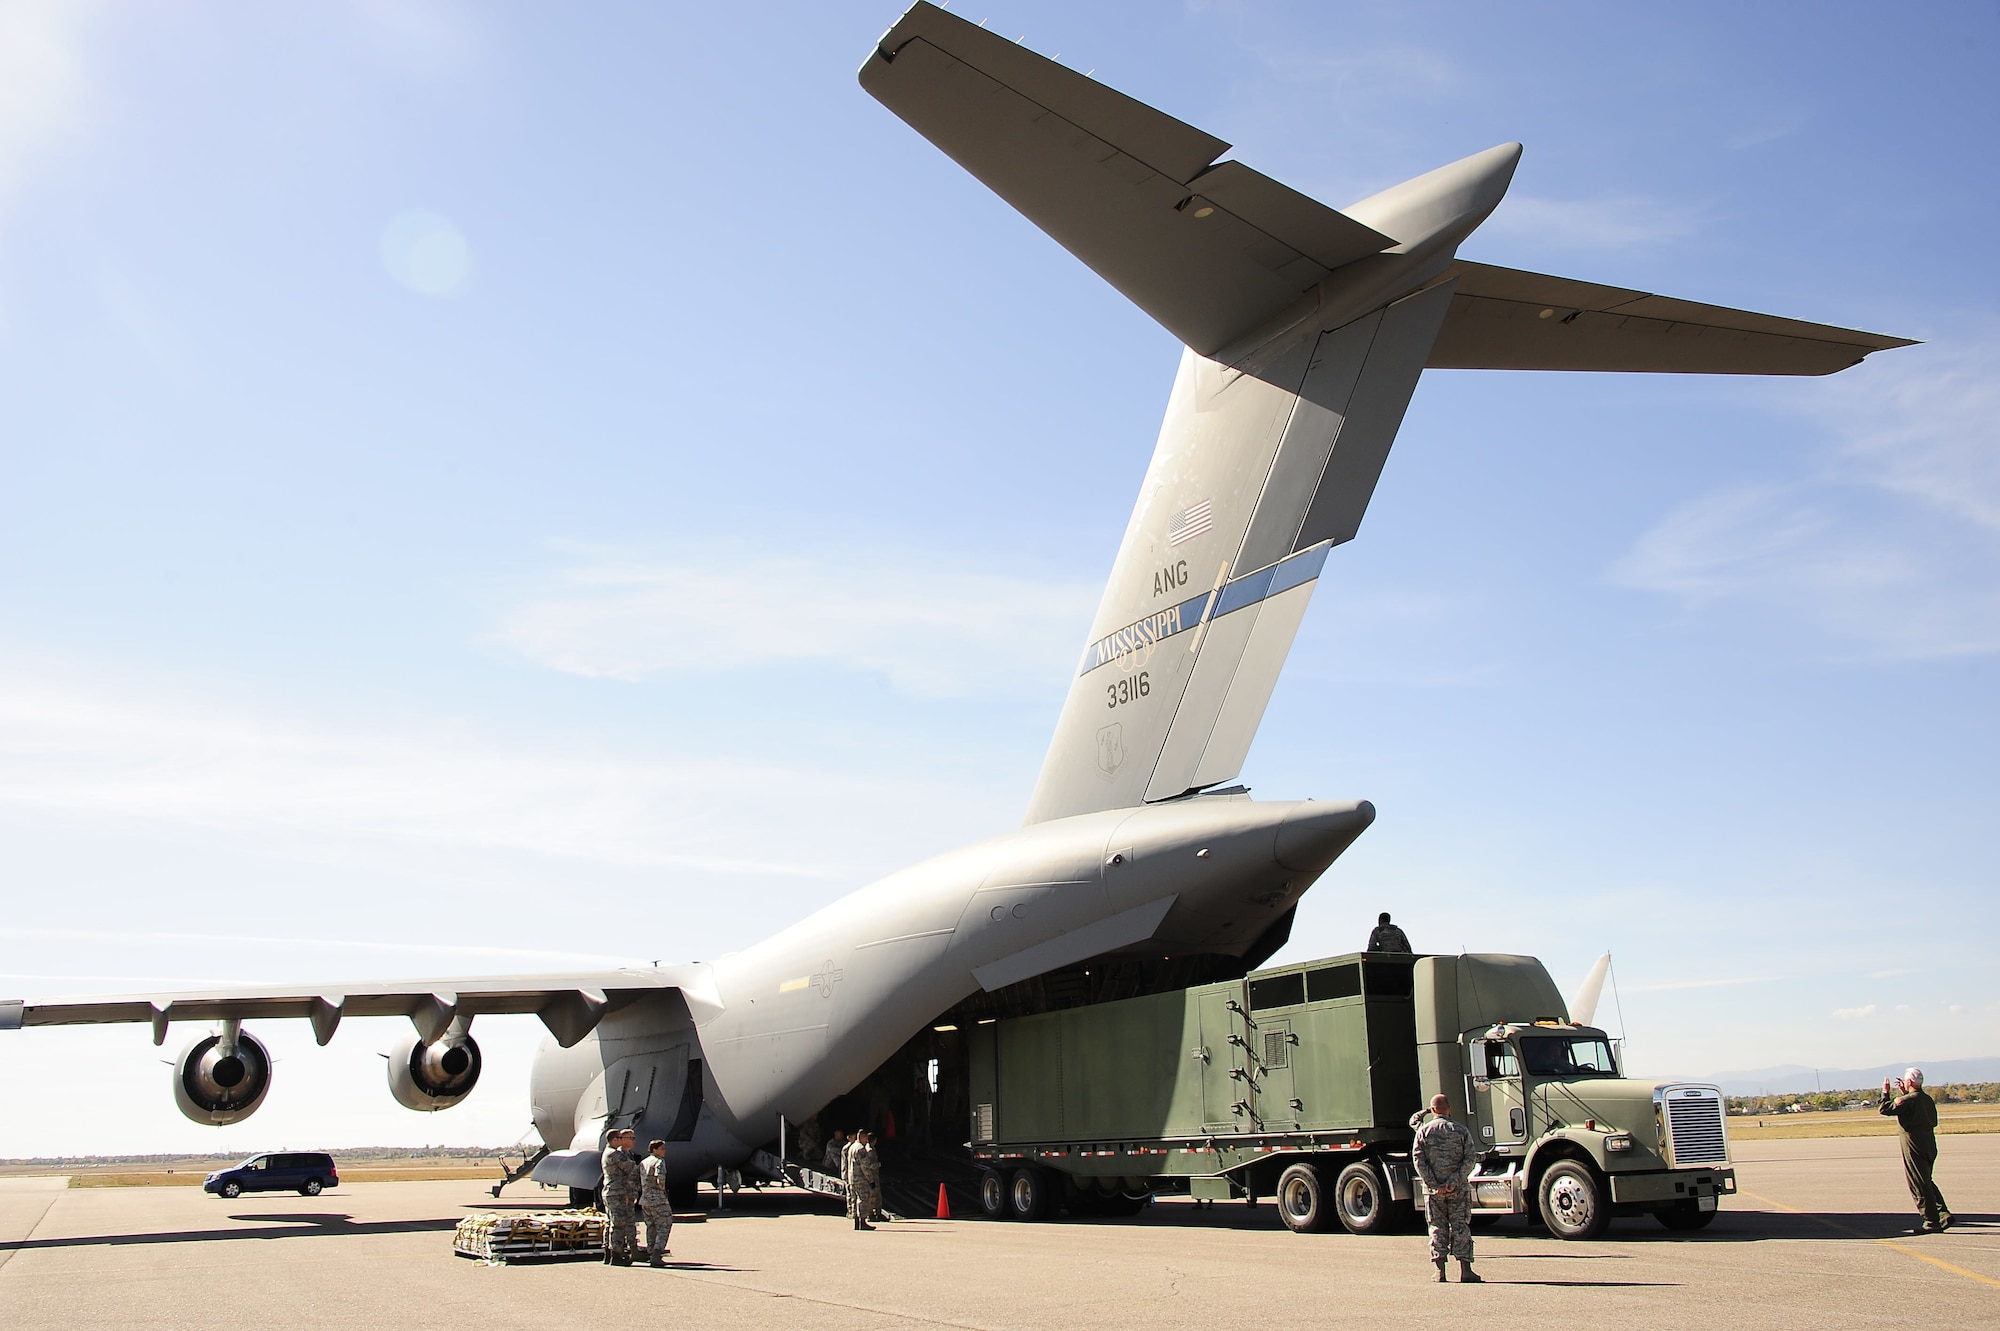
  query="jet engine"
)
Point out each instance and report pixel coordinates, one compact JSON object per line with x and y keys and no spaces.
{"x":429,"y":1077}
{"x":222,"y":1078}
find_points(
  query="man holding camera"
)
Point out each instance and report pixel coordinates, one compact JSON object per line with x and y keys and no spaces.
{"x":1916,"y":1113}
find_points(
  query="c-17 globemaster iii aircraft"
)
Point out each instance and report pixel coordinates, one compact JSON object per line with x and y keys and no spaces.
{"x":1305,"y":331}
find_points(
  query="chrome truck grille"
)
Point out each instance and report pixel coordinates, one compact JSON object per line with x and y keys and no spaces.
{"x":1695,"y":1134}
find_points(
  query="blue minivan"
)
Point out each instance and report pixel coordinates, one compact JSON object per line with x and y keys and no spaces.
{"x":306,"y":1172}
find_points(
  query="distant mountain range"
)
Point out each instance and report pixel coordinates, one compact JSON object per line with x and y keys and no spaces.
{"x":1792,"y":1079}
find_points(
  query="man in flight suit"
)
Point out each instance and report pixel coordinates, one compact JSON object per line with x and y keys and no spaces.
{"x":1916,"y":1114}
{"x":1387,"y":937}
{"x":621,"y":1195}
{"x":654,"y":1203}
{"x":1444,"y":1156}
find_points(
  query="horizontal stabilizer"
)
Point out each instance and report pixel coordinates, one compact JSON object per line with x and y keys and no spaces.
{"x":1506,"y":319}
{"x":1210,"y":251}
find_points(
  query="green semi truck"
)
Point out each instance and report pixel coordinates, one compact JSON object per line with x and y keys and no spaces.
{"x":1302,"y":1084}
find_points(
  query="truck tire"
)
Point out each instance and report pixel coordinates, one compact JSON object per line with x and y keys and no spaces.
{"x":993,"y":1194}
{"x":1302,"y":1200}
{"x":1031,"y":1194}
{"x":1684,"y":1216}
{"x":1574,"y":1205}
{"x":1361,"y":1200}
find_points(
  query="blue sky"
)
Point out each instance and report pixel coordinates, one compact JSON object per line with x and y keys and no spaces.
{"x":491,"y":488}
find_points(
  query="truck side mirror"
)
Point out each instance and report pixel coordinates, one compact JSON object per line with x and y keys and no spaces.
{"x":1477,"y":1055}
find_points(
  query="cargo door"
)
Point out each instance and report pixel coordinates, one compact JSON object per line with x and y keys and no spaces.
{"x":1225,"y":1093}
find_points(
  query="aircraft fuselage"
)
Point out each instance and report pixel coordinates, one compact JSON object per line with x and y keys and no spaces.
{"x":784,"y":1027}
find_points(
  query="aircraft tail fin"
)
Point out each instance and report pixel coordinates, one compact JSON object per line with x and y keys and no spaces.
{"x":1258,"y":472}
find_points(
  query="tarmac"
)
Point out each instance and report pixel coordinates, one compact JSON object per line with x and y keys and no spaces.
{"x":1820,"y":1235}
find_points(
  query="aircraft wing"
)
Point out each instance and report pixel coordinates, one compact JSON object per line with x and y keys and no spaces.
{"x":1210,"y":251}
{"x":569,"y":1005}
{"x":1507,"y":319}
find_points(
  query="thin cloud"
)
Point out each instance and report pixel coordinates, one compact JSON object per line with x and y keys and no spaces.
{"x":144,"y":754}
{"x":1892,"y":543}
{"x":154,"y":937}
{"x":1856,"y":1013}
{"x":1616,"y":222}
{"x":45,"y":93}
{"x":933,"y":632}
{"x":1700,"y":984}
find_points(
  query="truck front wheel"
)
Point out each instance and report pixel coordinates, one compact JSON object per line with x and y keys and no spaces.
{"x":1302,"y":1200}
{"x":1573,"y":1202}
{"x":1361,"y":1200}
{"x":1031,"y":1195}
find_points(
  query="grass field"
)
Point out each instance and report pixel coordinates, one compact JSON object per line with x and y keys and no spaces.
{"x":1857,"y":1123}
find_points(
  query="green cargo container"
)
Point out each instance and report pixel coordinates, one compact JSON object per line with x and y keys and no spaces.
{"x":1329,"y":1045}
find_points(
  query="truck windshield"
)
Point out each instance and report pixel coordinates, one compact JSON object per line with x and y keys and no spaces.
{"x":1567,"y":1056}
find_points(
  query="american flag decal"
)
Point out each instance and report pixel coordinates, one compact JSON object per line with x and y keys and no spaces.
{"x":1190,"y":522}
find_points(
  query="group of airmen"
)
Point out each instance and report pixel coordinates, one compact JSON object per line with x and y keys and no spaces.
{"x":633,"y":1187}
{"x":860,"y":1170}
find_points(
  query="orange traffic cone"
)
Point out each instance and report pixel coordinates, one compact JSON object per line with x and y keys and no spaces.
{"x":944,"y":1207}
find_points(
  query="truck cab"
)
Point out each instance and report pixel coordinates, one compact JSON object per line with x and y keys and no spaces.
{"x":1566,"y":1136}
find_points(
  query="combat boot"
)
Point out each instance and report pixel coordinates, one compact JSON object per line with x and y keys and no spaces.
{"x":1439,"y":1264}
{"x":1466,"y":1275}
{"x":621,"y":1259}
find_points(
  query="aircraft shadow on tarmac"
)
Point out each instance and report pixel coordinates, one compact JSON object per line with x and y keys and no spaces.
{"x":262,"y":1227}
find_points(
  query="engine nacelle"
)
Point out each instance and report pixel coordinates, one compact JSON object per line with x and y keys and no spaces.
{"x":221,"y":1078}
{"x":434,"y":1076}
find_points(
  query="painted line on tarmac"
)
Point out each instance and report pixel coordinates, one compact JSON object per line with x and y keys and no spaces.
{"x":1887,"y":1243}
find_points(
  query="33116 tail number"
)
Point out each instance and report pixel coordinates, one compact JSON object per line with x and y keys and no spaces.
{"x":1129,"y":689}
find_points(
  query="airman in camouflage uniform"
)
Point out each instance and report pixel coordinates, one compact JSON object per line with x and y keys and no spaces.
{"x":621,"y":1195}
{"x":1445,"y":1156}
{"x":861,"y":1171}
{"x":1387,"y":937}
{"x":835,"y":1162}
{"x":657,"y":1207}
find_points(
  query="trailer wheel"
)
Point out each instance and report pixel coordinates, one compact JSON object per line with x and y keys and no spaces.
{"x":1573,"y":1203}
{"x":1030,"y":1195}
{"x":1686,"y":1215}
{"x":993,"y":1194}
{"x":1302,"y":1200}
{"x":1361,"y":1200}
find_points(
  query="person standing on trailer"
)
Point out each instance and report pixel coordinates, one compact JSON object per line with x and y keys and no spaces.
{"x":1444,"y":1156}
{"x":1387,"y":937}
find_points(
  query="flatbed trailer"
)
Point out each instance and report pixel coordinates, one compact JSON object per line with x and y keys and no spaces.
{"x":1304,"y":1084}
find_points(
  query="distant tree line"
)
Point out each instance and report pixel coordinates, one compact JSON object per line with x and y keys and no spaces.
{"x":1951,"y":1093}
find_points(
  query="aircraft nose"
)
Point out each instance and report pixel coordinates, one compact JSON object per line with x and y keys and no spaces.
{"x":1313,"y":834}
